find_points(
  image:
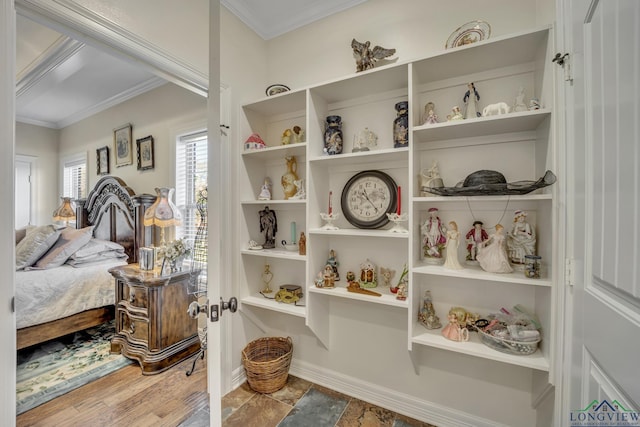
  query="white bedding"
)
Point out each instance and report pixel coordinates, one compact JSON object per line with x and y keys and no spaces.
{"x":46,"y":295}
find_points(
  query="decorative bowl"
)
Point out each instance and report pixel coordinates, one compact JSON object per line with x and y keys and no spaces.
{"x":291,"y":246}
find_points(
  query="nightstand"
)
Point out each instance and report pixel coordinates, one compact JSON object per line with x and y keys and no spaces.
{"x":152,"y":323}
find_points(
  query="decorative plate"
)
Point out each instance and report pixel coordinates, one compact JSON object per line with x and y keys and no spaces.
{"x":468,"y":33}
{"x":276,"y":89}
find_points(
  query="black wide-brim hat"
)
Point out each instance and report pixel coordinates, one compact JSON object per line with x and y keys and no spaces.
{"x":491,"y":183}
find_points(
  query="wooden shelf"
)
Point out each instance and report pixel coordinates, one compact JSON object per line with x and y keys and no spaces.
{"x":474,"y":347}
{"x":387,"y":298}
{"x":476,"y":273}
{"x":260,"y":301}
{"x":275,"y":253}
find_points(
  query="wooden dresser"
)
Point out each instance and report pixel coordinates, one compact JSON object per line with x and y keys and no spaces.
{"x":152,"y":324}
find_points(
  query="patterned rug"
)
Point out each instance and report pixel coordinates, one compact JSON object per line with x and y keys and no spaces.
{"x":54,"y":368}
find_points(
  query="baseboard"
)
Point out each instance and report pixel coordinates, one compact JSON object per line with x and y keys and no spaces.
{"x":410,"y":406}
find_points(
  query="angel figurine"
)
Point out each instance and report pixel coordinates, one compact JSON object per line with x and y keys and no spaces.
{"x":365,"y":57}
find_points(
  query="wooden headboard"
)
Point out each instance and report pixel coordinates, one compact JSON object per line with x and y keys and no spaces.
{"x":116,"y":212}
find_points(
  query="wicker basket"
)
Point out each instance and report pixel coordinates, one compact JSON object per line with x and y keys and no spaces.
{"x":266,"y":362}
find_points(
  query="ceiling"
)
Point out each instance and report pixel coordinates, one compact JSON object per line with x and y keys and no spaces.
{"x":61,"y":81}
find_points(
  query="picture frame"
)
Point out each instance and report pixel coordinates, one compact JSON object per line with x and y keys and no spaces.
{"x":145,"y":153}
{"x":122,"y":145}
{"x":102,"y":158}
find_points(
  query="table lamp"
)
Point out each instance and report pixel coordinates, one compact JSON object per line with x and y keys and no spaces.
{"x":65,"y":212}
{"x":162,"y":213}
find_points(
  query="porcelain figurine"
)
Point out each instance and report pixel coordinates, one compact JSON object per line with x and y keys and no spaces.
{"x":521,"y":240}
{"x":402,"y":292}
{"x":286,"y":137}
{"x":456,"y":328}
{"x":470,"y":99}
{"x":427,"y":314}
{"x":475,"y":237}
{"x":268,"y":226}
{"x":365,"y":140}
{"x":519,"y":104}
{"x":265,"y":190}
{"x":365,"y":57}
{"x":401,"y":125}
{"x":430,"y":117}
{"x":301,"y":194}
{"x":493,"y":255}
{"x":534,"y":104}
{"x":434,"y":237}
{"x":495,"y":109}
{"x":387,"y":274}
{"x":333,"y":262}
{"x":290,"y":176}
{"x":328,"y":277}
{"x":298,"y":134}
{"x":456,"y":114}
{"x":453,"y":241}
{"x":368,"y":275}
{"x":333,"y":136}
{"x":302,"y":244}
{"x":430,"y":178}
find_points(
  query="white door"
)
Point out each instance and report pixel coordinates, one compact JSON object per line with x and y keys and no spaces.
{"x":23,"y":200}
{"x":604,"y":212}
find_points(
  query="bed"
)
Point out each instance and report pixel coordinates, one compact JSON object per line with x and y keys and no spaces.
{"x":80,"y":293}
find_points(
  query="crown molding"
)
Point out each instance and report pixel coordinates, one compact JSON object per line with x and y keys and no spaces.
{"x":80,"y":23}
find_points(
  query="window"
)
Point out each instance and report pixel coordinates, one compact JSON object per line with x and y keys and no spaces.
{"x":191,"y":180}
{"x":74,"y":178}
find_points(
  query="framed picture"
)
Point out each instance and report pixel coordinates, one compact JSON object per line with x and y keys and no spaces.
{"x":145,"y":153}
{"x":103,"y":160}
{"x":122,"y":145}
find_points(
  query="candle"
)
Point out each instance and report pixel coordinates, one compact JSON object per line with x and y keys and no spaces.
{"x":330,"y":196}
{"x":293,"y":232}
{"x":399,"y":199}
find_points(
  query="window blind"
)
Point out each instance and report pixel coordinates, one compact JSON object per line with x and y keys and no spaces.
{"x":75,"y":179}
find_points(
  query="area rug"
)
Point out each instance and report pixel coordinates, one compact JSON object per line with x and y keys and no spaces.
{"x":54,"y":368}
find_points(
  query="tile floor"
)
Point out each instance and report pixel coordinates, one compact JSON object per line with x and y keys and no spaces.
{"x":300,"y":404}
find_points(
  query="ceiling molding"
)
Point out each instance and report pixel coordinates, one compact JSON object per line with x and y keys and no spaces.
{"x":63,"y":49}
{"x":270,"y":28}
{"x":67,"y":16}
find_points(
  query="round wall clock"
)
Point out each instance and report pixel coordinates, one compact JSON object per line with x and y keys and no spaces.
{"x":368,"y":197}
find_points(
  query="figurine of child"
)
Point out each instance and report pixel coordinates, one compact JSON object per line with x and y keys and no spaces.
{"x":333,"y":262}
{"x":456,"y":114}
{"x":493,"y":256}
{"x":265,"y":191}
{"x":521,"y":240}
{"x":434,"y":236}
{"x":430,"y":117}
{"x":456,"y":330}
{"x":453,"y":241}
{"x":475,"y":237}
{"x":471,"y":97}
{"x":298,"y":134}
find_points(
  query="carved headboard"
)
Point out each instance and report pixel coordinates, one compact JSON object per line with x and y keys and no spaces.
{"x":116,"y":212}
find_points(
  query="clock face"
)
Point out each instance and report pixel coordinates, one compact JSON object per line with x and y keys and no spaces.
{"x":367,"y":198}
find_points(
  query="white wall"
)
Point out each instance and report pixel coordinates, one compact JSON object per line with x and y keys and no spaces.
{"x":156,"y":113}
{"x":369,"y":344}
{"x":42,"y":143}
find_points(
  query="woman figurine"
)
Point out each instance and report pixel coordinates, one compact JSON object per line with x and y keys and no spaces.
{"x":521,"y":240}
{"x":430,"y":116}
{"x":493,"y":256}
{"x":434,"y":236}
{"x":265,"y":191}
{"x":470,"y":98}
{"x":302,"y":244}
{"x":453,"y":241}
{"x":455,"y":329}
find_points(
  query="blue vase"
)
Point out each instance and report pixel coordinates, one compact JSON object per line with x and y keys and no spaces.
{"x":333,"y":135}
{"x":401,"y":125}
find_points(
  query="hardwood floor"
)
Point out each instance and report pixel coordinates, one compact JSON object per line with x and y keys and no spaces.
{"x":127,"y":398}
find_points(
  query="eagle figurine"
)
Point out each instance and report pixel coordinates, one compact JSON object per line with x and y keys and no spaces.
{"x":365,"y":57}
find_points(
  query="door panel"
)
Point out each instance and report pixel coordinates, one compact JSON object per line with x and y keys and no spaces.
{"x":23,"y":205}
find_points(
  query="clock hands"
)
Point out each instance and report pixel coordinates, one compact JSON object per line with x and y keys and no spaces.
{"x":366,"y":196}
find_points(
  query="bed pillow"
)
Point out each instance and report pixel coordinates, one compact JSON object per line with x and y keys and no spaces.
{"x":21,"y":233}
{"x":97,"y":250}
{"x":35,"y":244}
{"x":70,"y":240}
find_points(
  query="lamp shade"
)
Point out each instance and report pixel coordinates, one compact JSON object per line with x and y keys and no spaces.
{"x":66,"y":211}
{"x":163,"y":213}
